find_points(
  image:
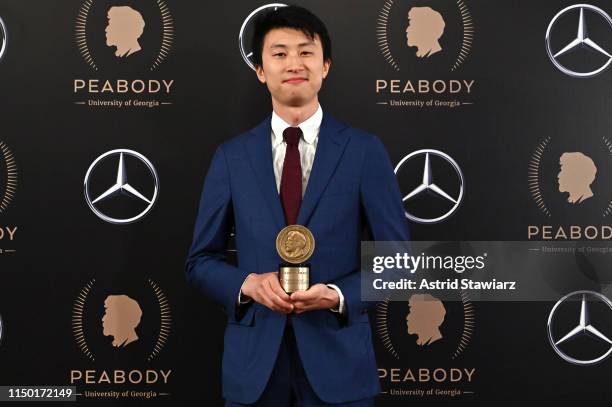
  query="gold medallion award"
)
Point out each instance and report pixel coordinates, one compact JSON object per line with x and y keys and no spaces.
{"x":295,"y":245}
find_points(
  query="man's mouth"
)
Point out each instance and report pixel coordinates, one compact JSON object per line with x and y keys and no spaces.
{"x":296,"y":81}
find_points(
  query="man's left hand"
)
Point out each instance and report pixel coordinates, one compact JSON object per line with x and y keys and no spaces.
{"x":318,"y":296}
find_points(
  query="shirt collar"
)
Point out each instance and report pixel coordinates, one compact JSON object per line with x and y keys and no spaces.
{"x":310,"y":127}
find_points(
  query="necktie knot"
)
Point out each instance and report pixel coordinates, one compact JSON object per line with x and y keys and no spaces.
{"x":292,"y":135}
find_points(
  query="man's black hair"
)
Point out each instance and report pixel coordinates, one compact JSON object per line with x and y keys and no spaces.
{"x":289,"y":17}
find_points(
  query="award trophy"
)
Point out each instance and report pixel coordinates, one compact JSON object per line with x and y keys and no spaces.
{"x":295,"y":245}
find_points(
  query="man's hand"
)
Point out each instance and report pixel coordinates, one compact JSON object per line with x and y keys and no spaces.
{"x":318,"y":296}
{"x":266,"y":290}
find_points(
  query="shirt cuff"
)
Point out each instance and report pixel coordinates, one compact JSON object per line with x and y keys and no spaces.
{"x":340,"y":308}
{"x":242,"y":301}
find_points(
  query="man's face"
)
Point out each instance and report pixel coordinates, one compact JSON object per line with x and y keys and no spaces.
{"x":411,"y":30}
{"x":290,"y":246}
{"x":107,"y":320}
{"x":563,"y":178}
{"x":410,"y":322}
{"x":110,"y":30}
{"x":293,"y":243}
{"x":292,"y":66}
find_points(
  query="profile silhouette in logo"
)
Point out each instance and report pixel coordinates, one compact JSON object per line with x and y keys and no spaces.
{"x":425,"y":28}
{"x":295,"y":244}
{"x":576,"y":176}
{"x":125,"y":27}
{"x":424,"y":318}
{"x":121,"y":318}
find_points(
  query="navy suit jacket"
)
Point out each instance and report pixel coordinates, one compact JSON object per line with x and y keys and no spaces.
{"x":352,"y":185}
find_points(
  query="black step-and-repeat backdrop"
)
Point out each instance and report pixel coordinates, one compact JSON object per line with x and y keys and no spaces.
{"x":110,"y":111}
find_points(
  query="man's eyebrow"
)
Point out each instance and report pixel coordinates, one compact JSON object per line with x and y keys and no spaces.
{"x":303,"y":44}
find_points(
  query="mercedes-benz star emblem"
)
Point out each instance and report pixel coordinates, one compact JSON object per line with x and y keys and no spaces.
{"x":246,"y":55}
{"x":121,"y":186}
{"x":429,"y":186}
{"x":582,"y":40}
{"x":583,"y":327}
{"x":3,"y":38}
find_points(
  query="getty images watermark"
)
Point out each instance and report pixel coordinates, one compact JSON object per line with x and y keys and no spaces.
{"x":487,"y":270}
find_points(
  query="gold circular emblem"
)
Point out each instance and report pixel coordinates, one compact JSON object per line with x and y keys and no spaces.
{"x":295,"y":244}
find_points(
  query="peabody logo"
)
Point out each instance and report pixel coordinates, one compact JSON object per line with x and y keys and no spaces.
{"x":107,"y":185}
{"x":3,"y":38}
{"x":116,"y":33}
{"x":135,"y":318}
{"x":426,"y":331}
{"x":570,"y":180}
{"x":579,"y":40}
{"x":425,"y":39}
{"x":409,"y":34}
{"x":579,"y":328}
{"x":114,"y":323}
{"x":126,"y":40}
{"x":246,"y":31}
{"x":431,"y":200}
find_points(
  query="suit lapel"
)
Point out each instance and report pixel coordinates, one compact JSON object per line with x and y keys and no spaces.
{"x":329,"y":150}
{"x":259,"y":147}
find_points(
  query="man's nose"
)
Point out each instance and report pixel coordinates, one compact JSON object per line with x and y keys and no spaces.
{"x":295,"y":63}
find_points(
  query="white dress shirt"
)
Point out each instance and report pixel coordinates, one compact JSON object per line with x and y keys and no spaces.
{"x":307,"y":145}
{"x":307,"y":148}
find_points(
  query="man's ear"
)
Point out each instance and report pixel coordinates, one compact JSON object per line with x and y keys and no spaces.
{"x":260,"y":73}
{"x":326,"y":66}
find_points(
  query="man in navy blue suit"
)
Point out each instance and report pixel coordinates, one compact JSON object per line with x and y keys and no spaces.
{"x":299,"y":166}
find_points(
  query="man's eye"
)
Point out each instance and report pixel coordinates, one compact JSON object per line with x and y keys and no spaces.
{"x":306,"y":53}
{"x":280,"y":54}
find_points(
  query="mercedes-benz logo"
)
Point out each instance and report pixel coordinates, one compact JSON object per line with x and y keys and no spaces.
{"x":121,"y":186}
{"x":582,"y":40}
{"x":246,"y":55}
{"x":584,"y":327}
{"x":428,"y":185}
{"x":3,"y":38}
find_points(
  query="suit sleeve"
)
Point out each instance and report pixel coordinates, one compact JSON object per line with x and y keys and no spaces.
{"x":381,"y":202}
{"x":206,"y":267}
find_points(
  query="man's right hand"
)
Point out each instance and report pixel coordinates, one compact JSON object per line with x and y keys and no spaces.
{"x":266,"y":290}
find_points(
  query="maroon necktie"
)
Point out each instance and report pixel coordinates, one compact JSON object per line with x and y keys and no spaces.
{"x":291,"y":180}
